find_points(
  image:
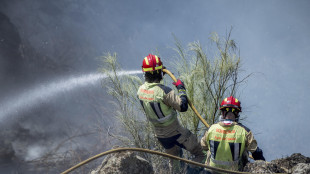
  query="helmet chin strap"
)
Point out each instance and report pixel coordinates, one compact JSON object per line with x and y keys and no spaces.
{"x":237,"y":119}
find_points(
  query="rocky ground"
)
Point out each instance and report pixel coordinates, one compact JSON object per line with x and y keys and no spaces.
{"x":130,"y":163}
{"x":296,"y":163}
{"x":124,"y":163}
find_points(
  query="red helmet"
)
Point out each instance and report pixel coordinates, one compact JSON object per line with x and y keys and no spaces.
{"x":151,"y":63}
{"x":231,"y":102}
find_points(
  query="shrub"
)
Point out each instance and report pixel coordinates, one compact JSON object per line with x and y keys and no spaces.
{"x":208,"y":81}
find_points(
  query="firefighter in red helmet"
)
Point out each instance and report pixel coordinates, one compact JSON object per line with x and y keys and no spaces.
{"x":228,"y":142}
{"x":160,"y":104}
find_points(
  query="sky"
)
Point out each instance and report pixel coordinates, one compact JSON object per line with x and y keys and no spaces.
{"x":54,"y":40}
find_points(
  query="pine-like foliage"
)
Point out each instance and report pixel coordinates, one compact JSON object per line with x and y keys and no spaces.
{"x":208,"y":80}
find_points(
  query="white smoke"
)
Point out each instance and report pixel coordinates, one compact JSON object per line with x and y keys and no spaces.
{"x":34,"y":152}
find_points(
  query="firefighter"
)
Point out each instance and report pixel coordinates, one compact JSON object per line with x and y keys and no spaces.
{"x":228,"y":142}
{"x":161,"y":104}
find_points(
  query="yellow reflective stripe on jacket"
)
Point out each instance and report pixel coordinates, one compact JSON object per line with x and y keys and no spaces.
{"x":225,"y":163}
{"x":226,"y":145}
{"x":162,"y":120}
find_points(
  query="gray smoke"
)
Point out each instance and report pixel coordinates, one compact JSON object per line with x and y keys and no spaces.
{"x":44,"y":41}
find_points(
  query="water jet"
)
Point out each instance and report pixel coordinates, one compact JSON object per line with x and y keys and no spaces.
{"x":32,"y":97}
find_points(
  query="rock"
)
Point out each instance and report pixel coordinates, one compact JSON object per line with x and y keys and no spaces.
{"x":289,"y":162}
{"x":301,"y":168}
{"x":124,"y":163}
{"x":130,"y":163}
{"x":296,"y":163}
{"x":262,"y":167}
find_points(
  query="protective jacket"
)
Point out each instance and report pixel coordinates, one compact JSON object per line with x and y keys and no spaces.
{"x":227,"y":145}
{"x":160,"y":104}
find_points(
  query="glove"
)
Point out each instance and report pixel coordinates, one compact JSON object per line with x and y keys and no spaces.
{"x":179,"y":84}
{"x":181,"y":88}
{"x":258,"y":154}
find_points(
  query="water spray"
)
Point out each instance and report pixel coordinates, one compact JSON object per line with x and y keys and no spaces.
{"x":34,"y":96}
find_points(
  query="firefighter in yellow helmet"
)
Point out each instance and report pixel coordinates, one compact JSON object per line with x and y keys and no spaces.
{"x":160,"y":104}
{"x":228,"y":142}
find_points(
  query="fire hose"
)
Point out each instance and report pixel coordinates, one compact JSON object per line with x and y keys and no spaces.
{"x":156,"y":152}
{"x":189,"y":102}
{"x":152,"y":152}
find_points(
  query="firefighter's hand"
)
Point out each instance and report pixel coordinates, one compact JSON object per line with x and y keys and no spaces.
{"x":258,"y":154}
{"x":179,"y":84}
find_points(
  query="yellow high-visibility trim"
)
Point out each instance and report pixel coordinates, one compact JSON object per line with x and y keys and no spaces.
{"x":147,"y":69}
{"x":236,"y":100}
{"x":157,"y":60}
{"x":151,"y":69}
{"x":158,"y":67}
{"x":146,"y":61}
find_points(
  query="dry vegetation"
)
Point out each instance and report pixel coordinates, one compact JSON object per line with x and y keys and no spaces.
{"x":208,"y":80}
